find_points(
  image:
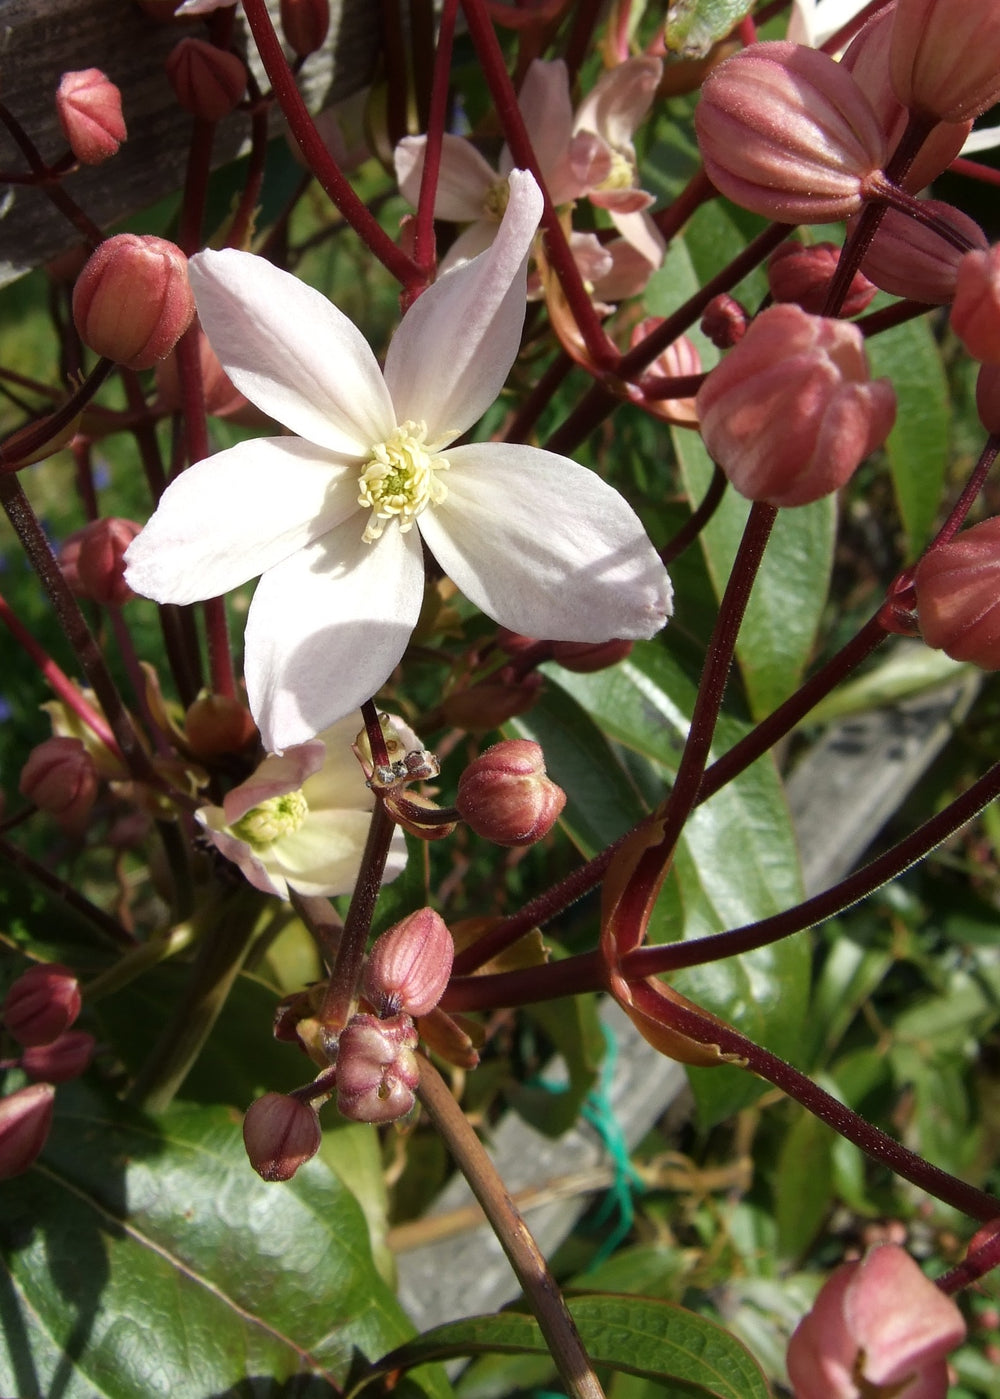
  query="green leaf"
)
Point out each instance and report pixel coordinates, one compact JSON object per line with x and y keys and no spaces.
{"x":693,"y":26}
{"x":144,"y":1256}
{"x":789,"y":594}
{"x":918,"y":444}
{"x":637,"y":1335}
{"x":803,"y":1184}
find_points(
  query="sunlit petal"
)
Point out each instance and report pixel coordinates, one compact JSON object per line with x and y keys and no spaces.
{"x":464,"y":180}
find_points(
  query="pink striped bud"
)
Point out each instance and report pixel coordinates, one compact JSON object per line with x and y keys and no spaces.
{"x":280,"y":1134}
{"x":409,"y":966}
{"x":208,"y":82}
{"x":975,"y":312}
{"x":505,"y":796}
{"x":790,"y":413}
{"x":89,"y":107}
{"x":958,"y":596}
{"x":25,"y":1119}
{"x":786,"y":132}
{"x":943,"y":57}
{"x":93,"y":560}
{"x":803,"y":274}
{"x":377,"y":1070}
{"x":906,"y":258}
{"x":132,"y":301}
{"x":304,"y":24}
{"x":60,"y":778}
{"x":64,"y":1059}
{"x":42,"y":1003}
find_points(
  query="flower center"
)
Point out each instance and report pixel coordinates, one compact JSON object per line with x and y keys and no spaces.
{"x":622,"y":172}
{"x":277,"y":817}
{"x":495,"y":203}
{"x":399,"y":479}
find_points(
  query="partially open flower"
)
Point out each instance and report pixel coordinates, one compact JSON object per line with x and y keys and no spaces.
{"x":409,"y":966}
{"x":790,"y":413}
{"x":958,"y":596}
{"x":25,"y":1119}
{"x":803,"y":275}
{"x":377,"y":1070}
{"x":909,"y":259}
{"x":132,"y":301}
{"x":89,"y":107}
{"x":975,"y":312}
{"x":280,"y":1134}
{"x":41,"y":1004}
{"x":943,"y":59}
{"x":207,"y":81}
{"x":93,"y":560}
{"x":60,"y":777}
{"x":505,"y":796}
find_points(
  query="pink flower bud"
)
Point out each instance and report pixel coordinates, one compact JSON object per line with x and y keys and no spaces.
{"x":943,"y":57}
{"x":377,"y":1070}
{"x":25,"y":1119}
{"x":42,"y":1003}
{"x":505,"y":795}
{"x":988,"y":397}
{"x":958,"y":596}
{"x":409,"y":966}
{"x":724,"y":322}
{"x":132,"y":301}
{"x":908,"y":259}
{"x":60,"y":778}
{"x":222,"y":398}
{"x":304,"y":24}
{"x":65,"y":1058}
{"x":492,"y":703}
{"x":217,"y":724}
{"x":975,"y":312}
{"x":790,"y":413}
{"x":89,"y":107}
{"x":786,"y":132}
{"x":92,"y":560}
{"x":280,"y":1134}
{"x":802,"y":275}
{"x":878,"y":1326}
{"x":585,"y":657}
{"x":207,"y":82}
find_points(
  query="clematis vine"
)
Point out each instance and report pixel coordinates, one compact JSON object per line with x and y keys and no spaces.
{"x":335,"y":517}
{"x":301,"y":820}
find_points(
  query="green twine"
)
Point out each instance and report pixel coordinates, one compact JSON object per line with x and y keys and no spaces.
{"x":598,"y":1112}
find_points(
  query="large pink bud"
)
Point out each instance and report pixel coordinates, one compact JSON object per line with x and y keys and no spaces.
{"x":377,"y":1070}
{"x":975,"y":312}
{"x":133,"y":301}
{"x":958,"y":596}
{"x":208,"y":82}
{"x":25,"y":1119}
{"x":909,"y":259}
{"x":791,"y":412}
{"x":786,"y":132}
{"x":93,"y":560}
{"x":280,"y":1134}
{"x":89,"y":107}
{"x":943,"y":57}
{"x":42,"y":1003}
{"x":505,"y":795}
{"x":409,"y":966}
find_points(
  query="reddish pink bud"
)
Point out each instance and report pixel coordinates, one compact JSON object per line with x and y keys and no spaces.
{"x":958,"y":596}
{"x":492,"y":703}
{"x":988,"y":397}
{"x":304,"y":24}
{"x":132,"y":301}
{"x":377,"y":1070}
{"x":280,"y":1134}
{"x":786,"y":132}
{"x":975,"y":312}
{"x":216,"y":724}
{"x":25,"y":1119}
{"x":60,"y":778}
{"x":505,"y":795}
{"x":89,"y":107}
{"x":42,"y":1003}
{"x":585,"y":657}
{"x":790,"y":413}
{"x":409,"y":966}
{"x":878,"y":1326}
{"x":222,"y":398}
{"x":943,"y":57}
{"x":908,"y":259}
{"x":63,"y":1059}
{"x":207,"y":82}
{"x":93,"y":560}
{"x":802,"y":275}
{"x":724,"y":322}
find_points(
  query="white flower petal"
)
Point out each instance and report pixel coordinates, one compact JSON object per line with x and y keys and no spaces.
{"x":213,"y":819}
{"x":340,"y":781}
{"x":291,"y":352}
{"x":469,"y":244}
{"x":233,"y":516}
{"x":326,"y":628}
{"x":324,"y":855}
{"x":985,"y":139}
{"x":464,"y":181}
{"x":455,"y":346}
{"x":277,"y":775}
{"x":640,"y":230}
{"x":547,"y":109}
{"x":619,"y":101}
{"x":545,"y":547}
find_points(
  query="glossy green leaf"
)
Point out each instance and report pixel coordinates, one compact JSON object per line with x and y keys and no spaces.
{"x":144,"y":1257}
{"x":638,"y":1335}
{"x":802,"y":1184}
{"x":693,"y":26}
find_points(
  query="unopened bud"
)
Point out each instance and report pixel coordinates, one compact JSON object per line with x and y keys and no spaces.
{"x":132,"y":301}
{"x":487,"y":706}
{"x":724,"y":321}
{"x":216,"y":724}
{"x":377,"y":1070}
{"x":60,"y":778}
{"x":65,"y":1058}
{"x":280,"y":1134}
{"x":222,"y":398}
{"x":906,"y":258}
{"x":304,"y":24}
{"x":585,"y":657}
{"x":409,"y":966}
{"x":803,"y":275}
{"x":208,"y":82}
{"x":25,"y":1119}
{"x":505,"y":796}
{"x":958,"y":596}
{"x":975,"y":312}
{"x":42,"y":1003}
{"x":93,"y":560}
{"x":988,"y":397}
{"x":942,"y":58}
{"x":89,"y":107}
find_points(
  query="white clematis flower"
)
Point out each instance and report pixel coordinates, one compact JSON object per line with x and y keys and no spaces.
{"x":539,"y":543}
{"x":301,"y":821}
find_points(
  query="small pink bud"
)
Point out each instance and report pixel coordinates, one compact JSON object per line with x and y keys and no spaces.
{"x":803,"y":274}
{"x":409,"y":966}
{"x":25,"y":1119}
{"x":65,"y":1058}
{"x":217,"y":724}
{"x":492,"y":703}
{"x":786,"y":132}
{"x":60,"y":778}
{"x":790,"y":413}
{"x":304,"y":24}
{"x":207,"y":82}
{"x":988,"y":397}
{"x":585,"y":657}
{"x":958,"y":596}
{"x":505,"y":796}
{"x":377,"y":1070}
{"x":89,"y":107}
{"x":42,"y":1003}
{"x":92,"y":560}
{"x":132,"y":301}
{"x":943,"y":57}
{"x":975,"y":312}
{"x":724,"y":322}
{"x":908,"y":259}
{"x":280,"y":1134}
{"x":878,"y":1326}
